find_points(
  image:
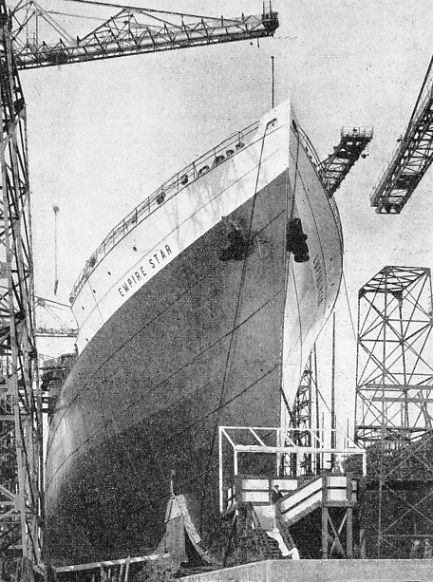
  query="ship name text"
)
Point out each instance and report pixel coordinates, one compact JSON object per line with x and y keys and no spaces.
{"x":136,"y":277}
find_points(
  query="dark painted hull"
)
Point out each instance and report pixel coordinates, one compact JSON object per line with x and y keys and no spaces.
{"x":199,"y":346}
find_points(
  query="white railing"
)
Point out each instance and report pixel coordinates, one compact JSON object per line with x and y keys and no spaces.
{"x":225,"y":150}
{"x":241,"y":440}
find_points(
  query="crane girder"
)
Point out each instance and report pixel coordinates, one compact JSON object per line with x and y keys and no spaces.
{"x":54,"y":319}
{"x":335,"y":167}
{"x":411,"y":159}
{"x":135,"y":31}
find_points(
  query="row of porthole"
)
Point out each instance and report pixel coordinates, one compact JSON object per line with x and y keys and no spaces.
{"x":184,"y":179}
{"x":134,"y":248}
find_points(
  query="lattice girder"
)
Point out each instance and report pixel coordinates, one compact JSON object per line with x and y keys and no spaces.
{"x":411,"y":159}
{"x":394,"y":376}
{"x":21,"y":426}
{"x":131,"y":31}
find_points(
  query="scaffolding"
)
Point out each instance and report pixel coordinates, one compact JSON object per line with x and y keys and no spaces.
{"x":305,"y":418}
{"x":394,"y":406}
{"x":21,"y":507}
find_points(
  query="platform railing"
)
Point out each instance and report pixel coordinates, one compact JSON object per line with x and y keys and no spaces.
{"x":108,"y":570}
{"x":239,"y":444}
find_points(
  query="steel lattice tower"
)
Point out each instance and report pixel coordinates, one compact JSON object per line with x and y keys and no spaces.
{"x":394,"y":405}
{"x":20,"y":398}
{"x":394,"y":378}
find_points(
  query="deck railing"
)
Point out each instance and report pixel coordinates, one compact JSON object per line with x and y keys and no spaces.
{"x":225,"y":150}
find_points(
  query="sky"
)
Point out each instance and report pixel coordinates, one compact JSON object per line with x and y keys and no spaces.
{"x":105,"y":135}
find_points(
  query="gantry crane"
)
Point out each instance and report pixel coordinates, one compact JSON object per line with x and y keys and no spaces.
{"x":21,"y":399}
{"x":412,"y":158}
{"x":131,"y":31}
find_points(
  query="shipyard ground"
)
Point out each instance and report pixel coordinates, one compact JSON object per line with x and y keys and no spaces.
{"x":322,"y":571}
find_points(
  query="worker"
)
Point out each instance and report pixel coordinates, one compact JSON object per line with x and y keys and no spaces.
{"x":276,"y":494}
{"x":415,"y":549}
{"x":428,"y":549}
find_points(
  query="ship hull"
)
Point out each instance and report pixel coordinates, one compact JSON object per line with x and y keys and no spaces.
{"x":204,"y":342}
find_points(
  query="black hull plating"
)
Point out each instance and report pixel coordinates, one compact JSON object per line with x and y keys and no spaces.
{"x":198,"y":346}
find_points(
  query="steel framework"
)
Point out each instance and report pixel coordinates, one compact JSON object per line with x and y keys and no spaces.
{"x":411,"y":159}
{"x":132,"y":31}
{"x":394,"y":404}
{"x":20,"y":398}
{"x":21,"y":402}
{"x":394,"y":379}
{"x":54,"y":319}
{"x":304,"y":418}
{"x":333,"y":170}
{"x":335,"y":167}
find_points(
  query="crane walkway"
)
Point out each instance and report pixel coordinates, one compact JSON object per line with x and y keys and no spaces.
{"x":336,"y":166}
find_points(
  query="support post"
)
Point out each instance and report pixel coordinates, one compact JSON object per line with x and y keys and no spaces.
{"x":349,"y":520}
{"x":394,"y":404}
{"x":325,"y":518}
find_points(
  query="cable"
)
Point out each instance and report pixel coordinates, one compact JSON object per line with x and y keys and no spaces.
{"x":238,"y":304}
{"x":287,"y":274}
{"x":329,"y":410}
{"x":348,"y":307}
{"x":286,"y":266}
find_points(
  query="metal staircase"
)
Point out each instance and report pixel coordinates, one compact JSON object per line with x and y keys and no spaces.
{"x":302,"y":502}
{"x":315,"y":514}
{"x":335,"y":496}
{"x":253,"y":539}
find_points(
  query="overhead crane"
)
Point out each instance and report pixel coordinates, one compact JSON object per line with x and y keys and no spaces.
{"x":412,"y":157}
{"x":131,"y":31}
{"x":21,"y":398}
